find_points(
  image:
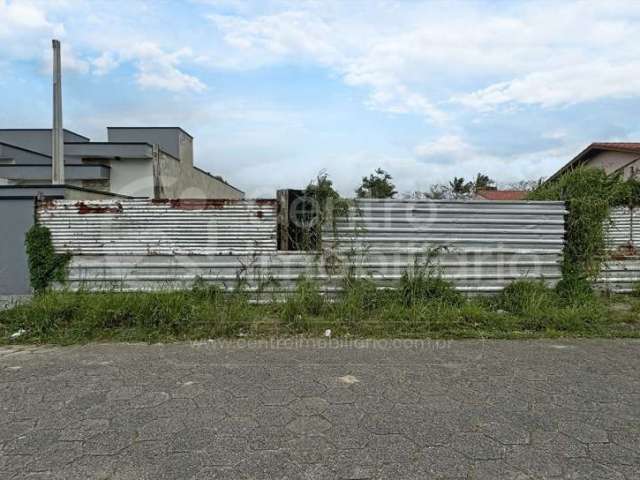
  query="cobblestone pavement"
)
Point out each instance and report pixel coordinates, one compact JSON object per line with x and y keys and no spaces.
{"x":378,"y":410}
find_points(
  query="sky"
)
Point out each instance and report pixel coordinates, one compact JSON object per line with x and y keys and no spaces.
{"x":275,"y":92}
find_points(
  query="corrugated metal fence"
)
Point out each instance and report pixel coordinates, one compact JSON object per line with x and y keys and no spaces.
{"x":141,"y":244}
{"x":152,"y":227}
{"x":621,"y":272}
{"x":623,"y":228}
{"x":400,"y":226}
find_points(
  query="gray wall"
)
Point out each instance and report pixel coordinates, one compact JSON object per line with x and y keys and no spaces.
{"x":38,"y":140}
{"x":19,"y":156}
{"x":168,"y":138}
{"x":16,"y":218}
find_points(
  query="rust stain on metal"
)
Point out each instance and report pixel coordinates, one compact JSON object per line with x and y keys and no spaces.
{"x":266,"y":201}
{"x":205,"y":203}
{"x":83,"y":208}
{"x":47,"y":203}
{"x":625,"y":251}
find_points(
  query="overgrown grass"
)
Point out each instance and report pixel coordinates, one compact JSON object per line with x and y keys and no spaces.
{"x":423,"y":307}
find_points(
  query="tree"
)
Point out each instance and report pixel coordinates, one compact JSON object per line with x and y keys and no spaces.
{"x":526,"y":185}
{"x":438,"y":192}
{"x":459,"y":187}
{"x":377,"y":185}
{"x":482,"y":182}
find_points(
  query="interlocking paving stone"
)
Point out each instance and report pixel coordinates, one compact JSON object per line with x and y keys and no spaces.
{"x":493,"y":410}
{"x":309,"y":406}
{"x":478,"y":446}
{"x":309,"y":425}
{"x":310,"y":449}
{"x":583,"y":432}
{"x":84,"y":429}
{"x":108,"y":443}
{"x":506,"y":433}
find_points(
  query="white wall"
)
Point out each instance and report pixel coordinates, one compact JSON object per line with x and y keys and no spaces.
{"x":132,"y":177}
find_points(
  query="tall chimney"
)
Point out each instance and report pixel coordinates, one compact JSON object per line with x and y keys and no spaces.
{"x":57,"y":147}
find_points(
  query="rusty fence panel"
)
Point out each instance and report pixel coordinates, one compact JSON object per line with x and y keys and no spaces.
{"x":483,"y":245}
{"x":160,"y":227}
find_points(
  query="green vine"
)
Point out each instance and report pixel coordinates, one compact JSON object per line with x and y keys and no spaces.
{"x":45,"y":266}
{"x":589,"y":195}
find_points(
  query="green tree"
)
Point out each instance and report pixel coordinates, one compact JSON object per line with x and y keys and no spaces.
{"x":459,"y":187}
{"x":482,"y":182}
{"x":377,"y":185}
{"x":319,"y":206}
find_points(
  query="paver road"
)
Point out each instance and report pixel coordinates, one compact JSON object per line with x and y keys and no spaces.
{"x":314,"y":410}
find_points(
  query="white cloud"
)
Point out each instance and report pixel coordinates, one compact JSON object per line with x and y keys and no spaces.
{"x":416,"y":57}
{"x":445,"y":149}
{"x":71,"y":61}
{"x":564,"y":86}
{"x":25,"y":30}
{"x":291,"y":33}
{"x":22,"y":15}
{"x":105,"y":63}
{"x":159,"y":69}
{"x":93,"y":41}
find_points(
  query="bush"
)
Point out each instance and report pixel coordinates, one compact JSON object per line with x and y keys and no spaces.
{"x":423,"y":283}
{"x":204,"y":291}
{"x":359,"y":297}
{"x":305,"y":301}
{"x":575,"y":290}
{"x":45,"y":266}
{"x":526,"y":297}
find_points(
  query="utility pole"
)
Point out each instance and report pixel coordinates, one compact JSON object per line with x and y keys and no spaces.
{"x":57,"y":139}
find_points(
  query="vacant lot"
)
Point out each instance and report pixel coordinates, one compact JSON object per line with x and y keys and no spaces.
{"x":379,"y":410}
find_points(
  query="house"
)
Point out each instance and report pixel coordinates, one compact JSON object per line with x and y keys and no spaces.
{"x":152,"y":162}
{"x":612,"y":157}
{"x":504,"y":195}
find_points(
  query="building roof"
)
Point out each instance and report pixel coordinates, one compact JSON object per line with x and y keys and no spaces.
{"x":40,"y":130}
{"x":632,"y":147}
{"x":594,"y":149}
{"x":152,"y":128}
{"x":490,"y":194}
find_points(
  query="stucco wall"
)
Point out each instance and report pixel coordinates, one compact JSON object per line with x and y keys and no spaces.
{"x":612,"y":161}
{"x":17,"y":218}
{"x":178,"y":179}
{"x":72,"y":194}
{"x":132,"y":177}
